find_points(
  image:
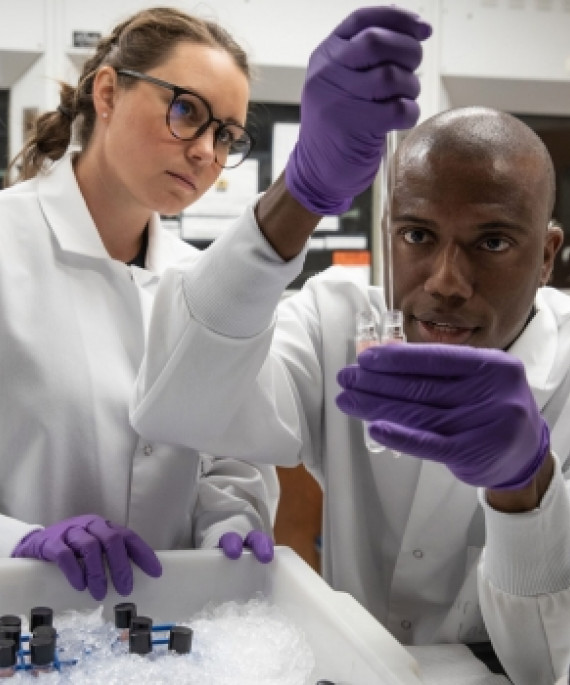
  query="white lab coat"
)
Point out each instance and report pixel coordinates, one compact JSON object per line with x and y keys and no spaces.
{"x":72,"y":336}
{"x":403,"y":536}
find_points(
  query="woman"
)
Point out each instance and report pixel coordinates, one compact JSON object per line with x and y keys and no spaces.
{"x":158,"y":111}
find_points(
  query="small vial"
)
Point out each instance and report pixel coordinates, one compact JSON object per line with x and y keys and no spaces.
{"x":124,"y":614}
{"x":367,"y":336}
{"x":42,"y":654}
{"x":11,"y":627}
{"x":393,"y":327}
{"x":140,"y":642}
{"x":141,"y":623}
{"x":180,"y":639}
{"x":45,"y":631}
{"x":8,"y":657}
{"x":40,"y":616}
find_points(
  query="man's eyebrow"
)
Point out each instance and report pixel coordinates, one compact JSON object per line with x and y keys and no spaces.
{"x":412,"y":218}
{"x":501,"y":225}
{"x":495,"y":225}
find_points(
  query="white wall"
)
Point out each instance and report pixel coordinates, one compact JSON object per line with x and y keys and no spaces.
{"x":512,"y":54}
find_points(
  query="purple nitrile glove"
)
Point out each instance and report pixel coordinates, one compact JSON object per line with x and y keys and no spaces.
{"x":360,"y":84}
{"x":80,"y":546}
{"x":259,"y":542}
{"x":470,"y":409}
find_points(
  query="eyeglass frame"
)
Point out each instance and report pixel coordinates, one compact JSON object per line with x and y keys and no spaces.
{"x":176,"y":92}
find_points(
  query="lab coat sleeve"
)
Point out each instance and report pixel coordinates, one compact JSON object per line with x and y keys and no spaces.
{"x":234,"y":496}
{"x":11,"y":532}
{"x":208,"y":380}
{"x":524,"y":587}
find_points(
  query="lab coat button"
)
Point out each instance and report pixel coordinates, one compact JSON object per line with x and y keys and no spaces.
{"x":147,"y":450}
{"x":406,"y":625}
{"x":418,"y":553}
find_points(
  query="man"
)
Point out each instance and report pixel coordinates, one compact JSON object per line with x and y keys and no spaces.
{"x":472,"y":253}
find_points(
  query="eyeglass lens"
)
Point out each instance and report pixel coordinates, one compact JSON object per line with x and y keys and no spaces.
{"x":188,"y":114}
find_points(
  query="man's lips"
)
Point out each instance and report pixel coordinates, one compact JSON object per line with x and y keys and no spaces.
{"x":452,"y":332}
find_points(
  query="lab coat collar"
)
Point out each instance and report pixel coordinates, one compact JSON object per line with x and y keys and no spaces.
{"x":73,"y":226}
{"x":542,"y":347}
{"x":66,"y":212}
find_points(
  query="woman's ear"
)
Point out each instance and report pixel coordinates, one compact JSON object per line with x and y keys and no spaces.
{"x":104,"y":91}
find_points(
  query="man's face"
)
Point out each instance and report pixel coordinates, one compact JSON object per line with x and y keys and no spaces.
{"x":470,"y":247}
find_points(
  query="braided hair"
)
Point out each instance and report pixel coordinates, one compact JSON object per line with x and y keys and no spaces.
{"x":140,"y":43}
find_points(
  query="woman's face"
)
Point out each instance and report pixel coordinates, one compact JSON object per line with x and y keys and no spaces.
{"x":146,"y":163}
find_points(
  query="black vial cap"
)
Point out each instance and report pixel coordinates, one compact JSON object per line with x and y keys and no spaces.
{"x":45,"y":631}
{"x":140,"y":642}
{"x":180,"y":639}
{"x":124,"y":613}
{"x":40,"y":616}
{"x":11,"y":620}
{"x":8,"y":632}
{"x":8,"y":653}
{"x":42,"y":651}
{"x":141,"y":623}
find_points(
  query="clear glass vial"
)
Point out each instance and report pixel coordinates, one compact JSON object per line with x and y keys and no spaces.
{"x":367,"y":336}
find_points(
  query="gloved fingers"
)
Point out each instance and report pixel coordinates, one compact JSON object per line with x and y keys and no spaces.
{"x":372,"y":48}
{"x":443,"y":420}
{"x":429,"y":391}
{"x":372,"y":89}
{"x":389,"y":17}
{"x":261,"y":545}
{"x":231,"y":544}
{"x":57,"y":551}
{"x":141,"y":554}
{"x":433,"y":359}
{"x":90,"y":552}
{"x":112,"y":543}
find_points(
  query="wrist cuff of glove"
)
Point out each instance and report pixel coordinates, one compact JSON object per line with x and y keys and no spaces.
{"x":306,"y":195}
{"x":524,"y":479}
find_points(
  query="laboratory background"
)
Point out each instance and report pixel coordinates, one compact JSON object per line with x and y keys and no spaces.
{"x":513,"y":55}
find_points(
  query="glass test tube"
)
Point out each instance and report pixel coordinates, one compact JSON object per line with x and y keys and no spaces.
{"x":367,"y":336}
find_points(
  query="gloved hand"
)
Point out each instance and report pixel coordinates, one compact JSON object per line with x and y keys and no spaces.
{"x":468,"y":408}
{"x":360,"y":84}
{"x":259,"y":542}
{"x":81,"y":545}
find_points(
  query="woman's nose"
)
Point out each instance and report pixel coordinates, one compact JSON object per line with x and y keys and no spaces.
{"x":203,"y":148}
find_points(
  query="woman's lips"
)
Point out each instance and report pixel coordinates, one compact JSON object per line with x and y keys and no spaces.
{"x":183,"y":180}
{"x":440,"y":332}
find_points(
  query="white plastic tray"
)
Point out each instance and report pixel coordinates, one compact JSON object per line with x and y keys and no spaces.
{"x":350,"y":646}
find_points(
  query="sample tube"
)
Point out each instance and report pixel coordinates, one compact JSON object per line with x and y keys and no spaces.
{"x":141,"y":623}
{"x":11,"y":627}
{"x":8,"y":657}
{"x":367,"y":336}
{"x":124,"y":614}
{"x":180,"y":639}
{"x":42,"y":654}
{"x":40,"y":616}
{"x":140,"y":641}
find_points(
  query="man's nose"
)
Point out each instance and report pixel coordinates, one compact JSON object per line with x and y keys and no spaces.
{"x":450,"y":274}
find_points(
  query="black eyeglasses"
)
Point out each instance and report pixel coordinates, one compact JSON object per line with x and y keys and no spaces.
{"x":188,"y":117}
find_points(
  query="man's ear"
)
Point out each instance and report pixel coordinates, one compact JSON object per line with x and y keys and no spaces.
{"x":552,"y":245}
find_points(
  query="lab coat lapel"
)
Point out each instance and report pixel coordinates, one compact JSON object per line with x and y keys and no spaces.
{"x":70,"y":221}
